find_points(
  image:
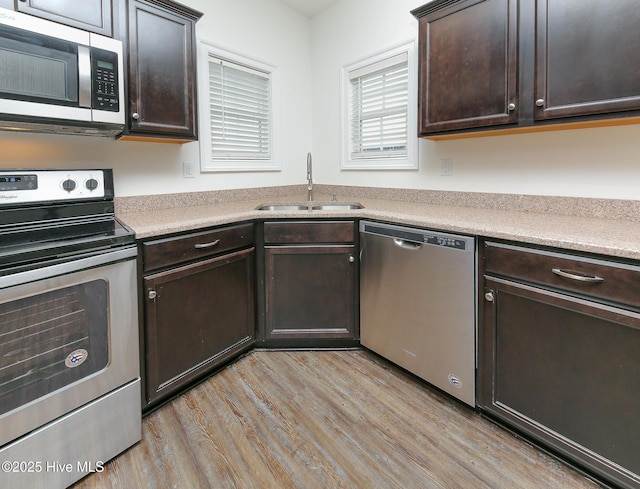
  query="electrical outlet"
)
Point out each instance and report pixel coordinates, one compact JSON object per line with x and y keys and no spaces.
{"x":446,"y":167}
{"x":188,"y":170}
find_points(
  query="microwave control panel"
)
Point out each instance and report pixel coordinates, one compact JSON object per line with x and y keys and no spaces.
{"x":104,"y":71}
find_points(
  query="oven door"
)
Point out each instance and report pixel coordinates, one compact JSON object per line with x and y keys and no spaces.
{"x":68,"y":335}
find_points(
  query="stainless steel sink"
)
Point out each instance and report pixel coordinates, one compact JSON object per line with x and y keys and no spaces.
{"x":283,"y":207}
{"x":335,"y":206}
{"x":326,"y":206}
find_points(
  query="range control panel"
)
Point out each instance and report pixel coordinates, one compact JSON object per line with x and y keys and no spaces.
{"x":26,"y":186}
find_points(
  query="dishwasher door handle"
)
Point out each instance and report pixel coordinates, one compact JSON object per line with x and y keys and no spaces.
{"x":406,"y":245}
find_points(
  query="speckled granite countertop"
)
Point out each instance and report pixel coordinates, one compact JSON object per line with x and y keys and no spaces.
{"x":570,"y":223}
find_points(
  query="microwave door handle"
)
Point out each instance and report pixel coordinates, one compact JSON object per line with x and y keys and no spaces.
{"x":84,"y":76}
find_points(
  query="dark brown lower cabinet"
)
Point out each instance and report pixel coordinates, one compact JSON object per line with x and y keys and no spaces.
{"x":559,"y":363}
{"x":310,"y":282}
{"x":310,"y":292}
{"x":197,"y":317}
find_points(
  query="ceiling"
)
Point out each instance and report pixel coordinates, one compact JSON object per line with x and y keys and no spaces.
{"x":310,"y":8}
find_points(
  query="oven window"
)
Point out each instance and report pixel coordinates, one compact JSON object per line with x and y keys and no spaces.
{"x":50,"y":340}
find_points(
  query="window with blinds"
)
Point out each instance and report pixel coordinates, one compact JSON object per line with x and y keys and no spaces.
{"x":238,"y":122}
{"x":239,"y":105}
{"x":378,"y":105}
{"x":379,"y":102}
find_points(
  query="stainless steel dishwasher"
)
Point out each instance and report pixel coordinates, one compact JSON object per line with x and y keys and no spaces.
{"x":417,"y":303}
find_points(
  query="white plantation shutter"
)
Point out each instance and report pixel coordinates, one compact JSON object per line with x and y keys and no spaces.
{"x":240,"y":111}
{"x":379,"y":109}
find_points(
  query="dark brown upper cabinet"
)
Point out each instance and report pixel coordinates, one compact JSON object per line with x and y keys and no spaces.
{"x":528,"y":65}
{"x":468,"y":66}
{"x":587,"y":57}
{"x":89,"y":15}
{"x":162,"y":82}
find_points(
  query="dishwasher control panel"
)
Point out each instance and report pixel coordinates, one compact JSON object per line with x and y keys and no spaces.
{"x":436,"y":239}
{"x":419,"y":236}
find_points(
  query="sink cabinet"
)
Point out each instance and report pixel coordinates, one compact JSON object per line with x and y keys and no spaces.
{"x":559,"y":337}
{"x":504,"y":64}
{"x":198,"y":298}
{"x":310,"y":271}
{"x":90,"y":15}
{"x":162,"y":82}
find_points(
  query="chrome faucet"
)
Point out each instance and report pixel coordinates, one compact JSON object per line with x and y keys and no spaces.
{"x":309,"y":178}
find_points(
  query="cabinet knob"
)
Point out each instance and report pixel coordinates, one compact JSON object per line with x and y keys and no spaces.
{"x":351,"y":259}
{"x":135,"y":116}
{"x":489,"y":296}
{"x":152,"y":294}
{"x":540,"y":102}
{"x":511,"y":107}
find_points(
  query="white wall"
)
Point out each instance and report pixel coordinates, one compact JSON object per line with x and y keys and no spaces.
{"x":266,"y":30}
{"x":599,"y":162}
{"x":591,"y":162}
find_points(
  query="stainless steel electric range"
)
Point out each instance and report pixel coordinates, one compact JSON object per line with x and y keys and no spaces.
{"x":69,"y":359}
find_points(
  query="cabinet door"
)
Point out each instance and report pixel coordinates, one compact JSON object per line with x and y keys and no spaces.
{"x":587,"y":57}
{"x":310,"y":292}
{"x":90,"y":15}
{"x":565,"y":371}
{"x":468,"y":66}
{"x":162,"y":72}
{"x":197,"y":317}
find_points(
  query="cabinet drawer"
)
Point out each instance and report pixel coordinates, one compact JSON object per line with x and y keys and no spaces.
{"x":170,"y":251}
{"x":309,"y":232}
{"x":607,"y":280}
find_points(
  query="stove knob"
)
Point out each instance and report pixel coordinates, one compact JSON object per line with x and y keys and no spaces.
{"x":69,"y":185}
{"x":91,"y":184}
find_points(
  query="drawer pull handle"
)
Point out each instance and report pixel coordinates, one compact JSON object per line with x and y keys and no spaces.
{"x":202,"y":246}
{"x":581,"y":277}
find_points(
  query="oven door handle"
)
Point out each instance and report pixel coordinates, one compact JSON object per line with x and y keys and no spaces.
{"x":66,"y":267}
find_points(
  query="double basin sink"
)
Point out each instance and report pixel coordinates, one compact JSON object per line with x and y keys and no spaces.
{"x":310,"y":206}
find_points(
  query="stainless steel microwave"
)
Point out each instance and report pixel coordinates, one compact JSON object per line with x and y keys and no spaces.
{"x":58,"y":79}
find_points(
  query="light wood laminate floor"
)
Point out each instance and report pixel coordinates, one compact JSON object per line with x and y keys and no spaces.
{"x":325,"y":419}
